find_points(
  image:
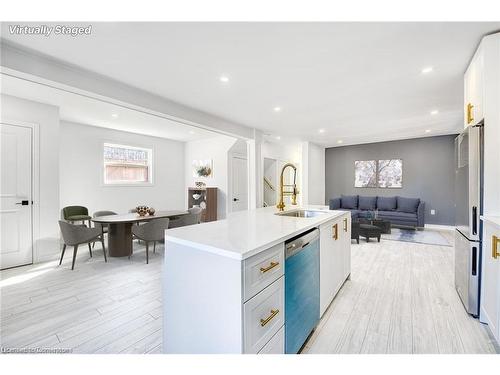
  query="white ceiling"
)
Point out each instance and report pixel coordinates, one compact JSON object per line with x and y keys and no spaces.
{"x":88,"y":111}
{"x":360,"y":82}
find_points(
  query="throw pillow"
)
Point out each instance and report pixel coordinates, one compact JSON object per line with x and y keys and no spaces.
{"x":349,"y":201}
{"x":367,"y":203}
{"x":386,"y":203}
{"x":408,"y":205}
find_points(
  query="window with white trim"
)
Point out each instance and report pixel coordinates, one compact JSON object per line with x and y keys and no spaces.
{"x":127,"y":165}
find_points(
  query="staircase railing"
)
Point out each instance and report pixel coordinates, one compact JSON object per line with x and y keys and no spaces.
{"x":268,"y":183}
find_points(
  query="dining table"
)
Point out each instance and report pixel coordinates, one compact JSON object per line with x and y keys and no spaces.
{"x":120,"y":229}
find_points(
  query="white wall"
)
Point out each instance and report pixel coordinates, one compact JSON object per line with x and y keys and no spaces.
{"x":309,"y":159}
{"x":217,"y":149}
{"x":255,"y":174}
{"x":46,"y":118}
{"x":313,"y":178}
{"x":284,"y":151}
{"x":81,"y":171}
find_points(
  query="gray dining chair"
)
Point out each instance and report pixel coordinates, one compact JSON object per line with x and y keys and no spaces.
{"x":74,"y":235}
{"x":152,"y":231}
{"x":102,"y":227}
{"x":193,"y":217}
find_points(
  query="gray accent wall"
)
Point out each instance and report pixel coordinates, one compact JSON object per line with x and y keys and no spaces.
{"x":428,"y":172}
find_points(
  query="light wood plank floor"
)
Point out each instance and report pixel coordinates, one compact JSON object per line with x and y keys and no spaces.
{"x":99,"y":307}
{"x":400,"y":299}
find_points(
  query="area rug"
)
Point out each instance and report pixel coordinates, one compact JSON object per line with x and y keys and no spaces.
{"x":418,"y":236}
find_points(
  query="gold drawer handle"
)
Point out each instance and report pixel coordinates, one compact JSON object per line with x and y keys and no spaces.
{"x":494,"y":247}
{"x":263,"y":322}
{"x":345,"y":225}
{"x":335,"y":228}
{"x":268,"y":268}
{"x":470,"y":116}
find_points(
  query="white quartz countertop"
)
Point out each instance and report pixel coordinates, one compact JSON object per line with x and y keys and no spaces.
{"x":495,"y":220}
{"x":246,"y":233}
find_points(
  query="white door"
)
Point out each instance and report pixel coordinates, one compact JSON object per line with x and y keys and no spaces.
{"x":239,"y":187}
{"x":16,"y":195}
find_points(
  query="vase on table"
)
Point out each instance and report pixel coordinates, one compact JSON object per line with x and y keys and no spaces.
{"x":142,"y":210}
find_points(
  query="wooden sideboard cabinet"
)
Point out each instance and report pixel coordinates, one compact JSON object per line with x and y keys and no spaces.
{"x":206,"y":198}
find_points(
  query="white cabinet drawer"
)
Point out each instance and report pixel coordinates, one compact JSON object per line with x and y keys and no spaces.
{"x":263,"y":316}
{"x":276,"y":345}
{"x":262,"y":269}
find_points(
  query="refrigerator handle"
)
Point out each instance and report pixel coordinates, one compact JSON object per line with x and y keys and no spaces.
{"x":474,"y":220}
{"x":474,"y":261}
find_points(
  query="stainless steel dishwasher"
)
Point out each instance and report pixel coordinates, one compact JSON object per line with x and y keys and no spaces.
{"x":301,"y":289}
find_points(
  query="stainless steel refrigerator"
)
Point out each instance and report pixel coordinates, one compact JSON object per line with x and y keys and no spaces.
{"x":468,"y":209}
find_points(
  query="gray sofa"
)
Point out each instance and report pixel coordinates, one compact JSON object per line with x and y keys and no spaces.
{"x":398,"y":210}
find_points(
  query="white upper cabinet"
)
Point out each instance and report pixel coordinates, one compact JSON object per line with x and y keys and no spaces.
{"x":474,"y":90}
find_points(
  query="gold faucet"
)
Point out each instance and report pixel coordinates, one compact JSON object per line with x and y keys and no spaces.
{"x":293,"y":193}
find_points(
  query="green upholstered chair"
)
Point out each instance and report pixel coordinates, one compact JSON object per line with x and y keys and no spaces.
{"x":74,"y":214}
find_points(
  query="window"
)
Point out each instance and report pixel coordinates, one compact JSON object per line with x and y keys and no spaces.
{"x":127,"y":165}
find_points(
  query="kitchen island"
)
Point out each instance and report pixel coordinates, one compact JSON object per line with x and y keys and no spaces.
{"x":224,"y":280}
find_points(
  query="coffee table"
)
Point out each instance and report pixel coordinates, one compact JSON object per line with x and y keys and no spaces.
{"x":384,"y":225}
{"x":369,"y":230}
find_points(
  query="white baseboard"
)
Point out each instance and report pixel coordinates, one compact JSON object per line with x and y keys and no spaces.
{"x":440,"y":227}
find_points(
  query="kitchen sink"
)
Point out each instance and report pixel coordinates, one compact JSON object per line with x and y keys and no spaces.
{"x":301,"y":213}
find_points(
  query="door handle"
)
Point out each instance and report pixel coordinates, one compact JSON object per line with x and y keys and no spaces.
{"x":235,"y":199}
{"x":494,"y":247}
{"x":474,"y":220}
{"x":263,"y":322}
{"x":474,"y":261}
{"x":345,"y":225}
{"x":470,"y":116}
{"x":23,"y":203}
{"x":335,"y":228}
{"x":269,"y":268}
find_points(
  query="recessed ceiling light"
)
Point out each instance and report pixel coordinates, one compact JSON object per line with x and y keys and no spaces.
{"x":224,"y":79}
{"x":434,"y":112}
{"x":114,"y":115}
{"x":340,"y":141}
{"x":427,"y":69}
{"x":321,"y":131}
{"x":427,"y":130}
{"x":278,"y":137}
{"x":191,"y":132}
{"x":277,"y":109}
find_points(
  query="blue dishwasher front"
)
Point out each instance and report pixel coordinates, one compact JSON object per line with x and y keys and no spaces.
{"x":301,"y":289}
